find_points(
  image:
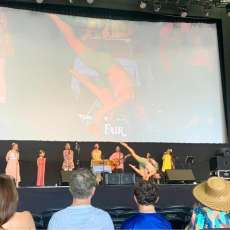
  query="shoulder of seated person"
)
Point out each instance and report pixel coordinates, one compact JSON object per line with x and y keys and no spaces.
{"x":19,"y":219}
{"x":26,"y":214}
{"x":101,"y":211}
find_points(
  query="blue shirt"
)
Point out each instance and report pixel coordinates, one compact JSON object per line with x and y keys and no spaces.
{"x":82,"y":218}
{"x":146,"y":221}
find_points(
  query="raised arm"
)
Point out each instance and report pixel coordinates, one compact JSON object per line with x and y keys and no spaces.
{"x":132,"y":152}
{"x":69,"y":35}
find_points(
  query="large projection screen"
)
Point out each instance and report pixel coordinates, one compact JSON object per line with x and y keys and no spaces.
{"x":77,"y":78}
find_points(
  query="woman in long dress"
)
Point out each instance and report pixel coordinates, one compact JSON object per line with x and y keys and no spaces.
{"x":168,"y":161}
{"x":68,"y":163}
{"x":41,"y":164}
{"x":13,"y":167}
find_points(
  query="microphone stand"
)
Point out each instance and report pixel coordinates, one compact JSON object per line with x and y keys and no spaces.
{"x":77,"y":154}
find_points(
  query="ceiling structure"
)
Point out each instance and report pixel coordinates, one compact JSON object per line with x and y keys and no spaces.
{"x":183,"y":8}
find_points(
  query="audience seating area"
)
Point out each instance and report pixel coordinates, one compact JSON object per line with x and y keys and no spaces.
{"x":179,"y":216}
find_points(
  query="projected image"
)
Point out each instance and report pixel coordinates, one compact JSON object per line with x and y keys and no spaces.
{"x":101,"y":74}
{"x":87,"y":79}
{"x":5,"y":52}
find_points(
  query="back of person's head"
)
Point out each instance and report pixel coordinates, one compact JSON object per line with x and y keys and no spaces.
{"x":82,"y":184}
{"x":8,"y":199}
{"x":146,"y":192}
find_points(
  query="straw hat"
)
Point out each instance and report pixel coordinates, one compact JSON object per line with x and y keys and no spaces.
{"x":214,"y":193}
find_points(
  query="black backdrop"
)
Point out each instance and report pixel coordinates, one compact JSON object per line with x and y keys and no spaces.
{"x":201,"y":152}
{"x":29,"y":149}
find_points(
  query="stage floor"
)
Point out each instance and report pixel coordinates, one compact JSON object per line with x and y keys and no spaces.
{"x":37,"y":200}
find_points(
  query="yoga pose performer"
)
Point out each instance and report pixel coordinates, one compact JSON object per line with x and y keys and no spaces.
{"x":148,"y":167}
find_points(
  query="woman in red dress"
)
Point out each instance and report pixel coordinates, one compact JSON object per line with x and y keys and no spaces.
{"x":41,"y":164}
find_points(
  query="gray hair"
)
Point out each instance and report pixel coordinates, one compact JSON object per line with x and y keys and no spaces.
{"x":82,"y":183}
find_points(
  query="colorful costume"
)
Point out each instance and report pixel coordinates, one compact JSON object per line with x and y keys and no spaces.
{"x":41,"y":163}
{"x":12,"y":167}
{"x":206,"y":218}
{"x":68,"y":164}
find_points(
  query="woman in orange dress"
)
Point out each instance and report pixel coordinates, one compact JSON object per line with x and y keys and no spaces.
{"x":41,"y":164}
{"x":68,"y":164}
{"x":13,"y":167}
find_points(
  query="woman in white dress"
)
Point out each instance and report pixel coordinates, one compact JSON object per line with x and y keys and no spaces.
{"x":12,"y":167}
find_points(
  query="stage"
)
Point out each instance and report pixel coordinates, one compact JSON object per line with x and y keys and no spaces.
{"x":38,"y":200}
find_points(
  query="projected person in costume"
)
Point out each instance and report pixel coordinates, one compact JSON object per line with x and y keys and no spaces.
{"x":148,"y":167}
{"x":168,"y":160}
{"x":12,"y":166}
{"x":5,"y":52}
{"x":68,"y":156}
{"x":41,"y":168}
{"x":118,"y":87}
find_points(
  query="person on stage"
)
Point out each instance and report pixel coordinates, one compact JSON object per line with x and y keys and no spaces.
{"x":12,"y":166}
{"x":168,"y":161}
{"x":96,"y":155}
{"x":68,"y":163}
{"x":118,"y":160}
{"x":41,"y":164}
{"x":148,"y":167}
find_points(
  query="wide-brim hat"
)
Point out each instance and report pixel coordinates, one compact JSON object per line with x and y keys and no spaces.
{"x":214,"y":193}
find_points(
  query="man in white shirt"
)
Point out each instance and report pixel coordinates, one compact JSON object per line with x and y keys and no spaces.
{"x":81,"y":214}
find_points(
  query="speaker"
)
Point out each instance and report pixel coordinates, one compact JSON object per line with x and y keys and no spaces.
{"x":112,"y":178}
{"x":176,"y":176}
{"x":65,"y":177}
{"x":119,"y":178}
{"x":128,"y":178}
{"x":219,"y":163}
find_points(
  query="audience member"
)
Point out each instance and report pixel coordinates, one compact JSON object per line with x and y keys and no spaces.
{"x":212,"y":209}
{"x":146,"y":197}
{"x":9,"y":218}
{"x":81,"y":215}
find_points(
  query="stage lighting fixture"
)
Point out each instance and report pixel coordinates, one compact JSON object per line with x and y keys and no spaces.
{"x":90,"y":1}
{"x":207,"y":8}
{"x":143,"y":4}
{"x":157,"y":6}
{"x":228,"y":9}
{"x":183,"y":12}
{"x":39,"y":1}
